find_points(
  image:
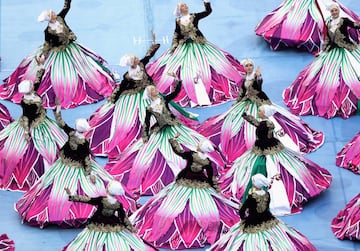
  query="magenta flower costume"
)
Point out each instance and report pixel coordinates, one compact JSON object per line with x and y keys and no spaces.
{"x":299,"y":24}
{"x":301,"y":179}
{"x":349,"y":156}
{"x":329,"y":86}
{"x":109,"y":228}
{"x":6,"y":244}
{"x":234,"y":135}
{"x":209,"y":74}
{"x":150,"y":163}
{"x":259,"y":229}
{"x":346,"y":225}
{"x":47,"y":202}
{"x":29,"y":145}
{"x":189,"y":212}
{"x":73,"y":73}
{"x":118,"y":123}
{"x":5,"y":117}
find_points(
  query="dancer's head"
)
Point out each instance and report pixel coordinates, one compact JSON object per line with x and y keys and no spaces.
{"x":249,"y":65}
{"x":47,"y":15}
{"x":115,"y":188}
{"x":266,"y":111}
{"x":334,"y":10}
{"x":26,"y":86}
{"x":129,"y":60}
{"x":205,"y":146}
{"x":259,"y":181}
{"x":81,"y":125}
{"x":181,"y":9}
{"x":151,"y":92}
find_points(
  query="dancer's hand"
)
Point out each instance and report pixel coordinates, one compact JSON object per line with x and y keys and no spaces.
{"x":258,"y":71}
{"x":153,"y":37}
{"x":40,"y":59}
{"x":93,"y":179}
{"x":176,"y":135}
{"x":172,"y":74}
{"x":67,"y":190}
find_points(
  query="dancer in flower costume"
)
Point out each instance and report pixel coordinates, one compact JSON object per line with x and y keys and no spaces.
{"x":29,"y":145}
{"x":346,"y":225}
{"x":109,"y":227}
{"x":73,"y":73}
{"x":349,"y":156}
{"x":329,"y":86}
{"x":209,"y":74}
{"x":259,"y":229}
{"x":300,"y":24}
{"x":234,"y":135}
{"x":118,"y":123}
{"x":189,"y":212}
{"x":150,"y":163}
{"x":47,"y":202}
{"x":301,"y":179}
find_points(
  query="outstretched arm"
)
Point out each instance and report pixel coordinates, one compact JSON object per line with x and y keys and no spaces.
{"x":173,"y":95}
{"x":66,"y":9}
{"x":349,"y":23}
{"x":205,"y":13}
{"x":177,"y":149}
{"x":61,"y":122}
{"x":150,"y":53}
{"x":83,"y":199}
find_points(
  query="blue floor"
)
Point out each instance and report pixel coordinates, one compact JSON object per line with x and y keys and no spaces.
{"x":113,"y":28}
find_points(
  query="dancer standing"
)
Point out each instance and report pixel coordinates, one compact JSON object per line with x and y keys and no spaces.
{"x":189,"y":212}
{"x":109,"y":228}
{"x":29,"y":145}
{"x":73,"y":73}
{"x":234,"y":135}
{"x":150,"y":163}
{"x":300,"y":24}
{"x":118,"y":123}
{"x":259,"y":229}
{"x":329,"y":86}
{"x":209,"y":74}
{"x":301,"y":179}
{"x":47,"y":203}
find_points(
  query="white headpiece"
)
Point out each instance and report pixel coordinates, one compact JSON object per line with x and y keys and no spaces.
{"x":267,"y":110}
{"x":127,"y":60}
{"x":259,"y":180}
{"x":206,"y":146}
{"x":45,"y":15}
{"x":25,"y":86}
{"x":115,"y":188}
{"x":177,"y":11}
{"x":332,"y":6}
{"x":247,"y":61}
{"x":81,"y":125}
